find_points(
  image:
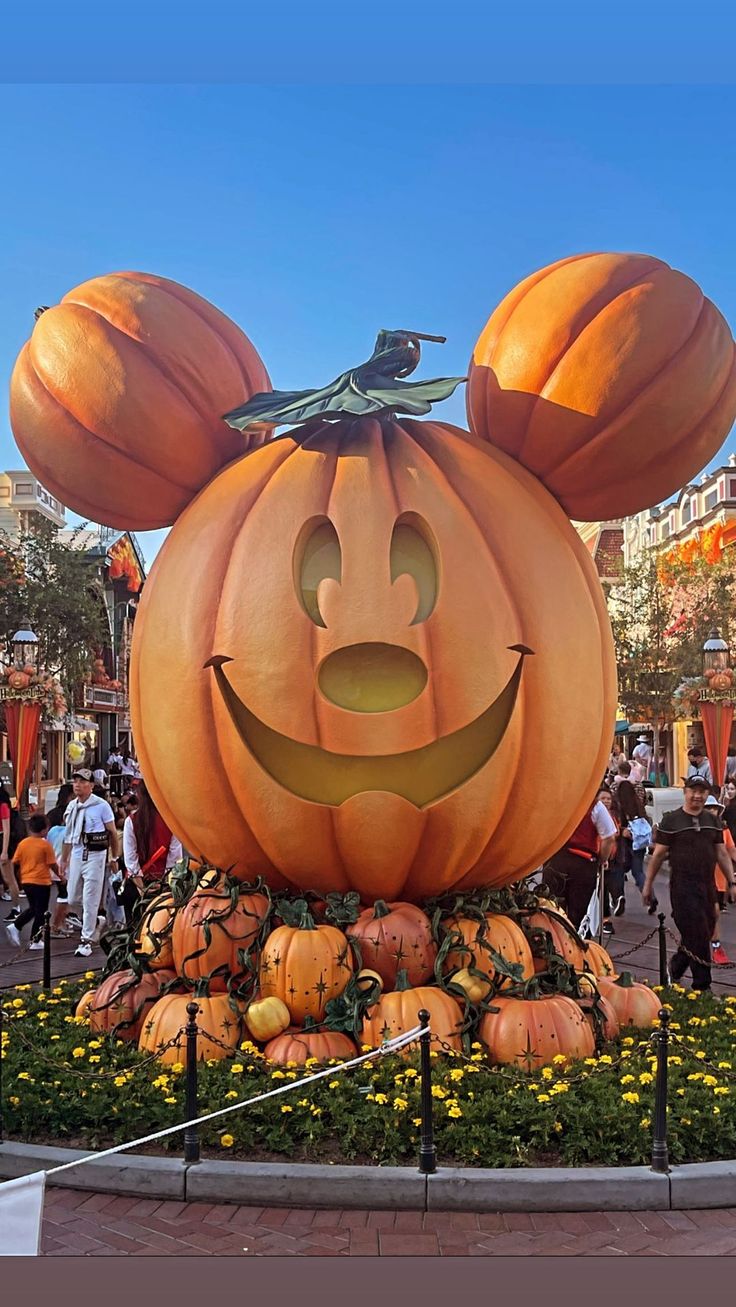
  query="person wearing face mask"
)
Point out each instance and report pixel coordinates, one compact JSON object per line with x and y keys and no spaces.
{"x":728,"y":799}
{"x":692,"y":838}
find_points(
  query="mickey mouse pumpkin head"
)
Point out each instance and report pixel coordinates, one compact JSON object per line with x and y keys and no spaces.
{"x":373,"y":653}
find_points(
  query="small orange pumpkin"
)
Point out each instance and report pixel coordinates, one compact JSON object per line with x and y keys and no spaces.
{"x":721,"y":681}
{"x":128,"y":377}
{"x":598,"y":960}
{"x":565,"y":941}
{"x":303,"y":964}
{"x":218,"y":1015}
{"x":216,"y":922}
{"x":153,"y":937}
{"x":393,"y":937}
{"x":19,"y":680}
{"x":495,"y":931}
{"x":296,"y":1045}
{"x":397,"y":1012}
{"x":120,"y":1004}
{"x":634,"y":1004}
{"x":530,"y":1032}
{"x":84,"y":1004}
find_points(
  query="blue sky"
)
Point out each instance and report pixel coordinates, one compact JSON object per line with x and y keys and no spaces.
{"x":314,"y":215}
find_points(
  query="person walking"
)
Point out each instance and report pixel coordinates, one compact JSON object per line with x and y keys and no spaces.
{"x":35,"y":860}
{"x":149,"y":849}
{"x":572,"y":873}
{"x":692,"y":838}
{"x":55,"y":837}
{"x":90,"y":828}
{"x":642,"y":755}
{"x":699,"y":765}
{"x":718,"y":952}
{"x":10,"y":885}
{"x":635,"y":829}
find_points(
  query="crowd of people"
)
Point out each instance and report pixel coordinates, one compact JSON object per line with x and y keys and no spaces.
{"x":615,"y":841}
{"x":88,"y":859}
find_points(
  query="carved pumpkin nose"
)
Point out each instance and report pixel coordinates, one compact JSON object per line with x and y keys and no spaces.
{"x":372,"y":677}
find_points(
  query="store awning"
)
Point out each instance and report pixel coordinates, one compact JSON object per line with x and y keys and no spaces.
{"x":73,"y":724}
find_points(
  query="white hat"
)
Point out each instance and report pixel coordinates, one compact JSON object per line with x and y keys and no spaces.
{"x":712,"y":802}
{"x":642,"y":739}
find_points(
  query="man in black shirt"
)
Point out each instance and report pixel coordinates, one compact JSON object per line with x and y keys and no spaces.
{"x":692,"y":838}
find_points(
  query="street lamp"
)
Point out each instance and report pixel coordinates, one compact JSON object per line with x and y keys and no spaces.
{"x":25,"y":647}
{"x":716,"y":653}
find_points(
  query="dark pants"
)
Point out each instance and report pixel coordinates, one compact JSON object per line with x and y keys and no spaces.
{"x":38,"y":901}
{"x":693,"y":908}
{"x":572,"y":880}
{"x":128,"y":897}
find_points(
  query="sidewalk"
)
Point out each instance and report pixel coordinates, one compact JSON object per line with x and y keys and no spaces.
{"x":100,"y":1225}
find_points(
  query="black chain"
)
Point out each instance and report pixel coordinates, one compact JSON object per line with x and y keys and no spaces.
{"x":718,"y":966}
{"x":505,"y":1075}
{"x":701,"y":1061}
{"x":635,"y":947}
{"x":97,"y":1075}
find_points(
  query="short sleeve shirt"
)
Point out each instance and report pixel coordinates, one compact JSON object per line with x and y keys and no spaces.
{"x":691,"y":842}
{"x":96,"y":813}
{"x":34,"y":857}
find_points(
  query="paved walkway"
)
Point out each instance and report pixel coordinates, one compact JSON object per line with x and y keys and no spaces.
{"x":99,"y":1225}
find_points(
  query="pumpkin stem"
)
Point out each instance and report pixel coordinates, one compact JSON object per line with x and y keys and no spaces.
{"x":43,"y":308}
{"x":295,"y":913}
{"x":380,"y":909}
{"x":402,"y":981}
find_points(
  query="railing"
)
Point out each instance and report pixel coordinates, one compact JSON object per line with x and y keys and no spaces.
{"x":95,"y":696}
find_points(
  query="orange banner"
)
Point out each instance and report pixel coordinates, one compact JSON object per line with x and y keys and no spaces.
{"x":22,"y":720}
{"x":717,"y":719}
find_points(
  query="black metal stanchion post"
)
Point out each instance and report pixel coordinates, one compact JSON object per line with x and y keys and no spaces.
{"x":660,"y":1155}
{"x":47,"y":951}
{"x":427,"y":1150}
{"x":191,"y":1134}
{"x":663,"y":978}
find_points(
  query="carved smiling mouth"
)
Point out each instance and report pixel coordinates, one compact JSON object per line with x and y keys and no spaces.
{"x":422,"y":776}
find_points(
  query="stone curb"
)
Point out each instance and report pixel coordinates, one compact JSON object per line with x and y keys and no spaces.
{"x":277,"y":1184}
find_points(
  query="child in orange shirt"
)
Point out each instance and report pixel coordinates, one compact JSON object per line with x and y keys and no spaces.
{"x":34,"y":860}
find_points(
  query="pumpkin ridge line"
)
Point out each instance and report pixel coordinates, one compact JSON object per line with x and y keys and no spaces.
{"x":638,"y":280}
{"x":545,"y":273}
{"x":159,"y":363}
{"x":139,"y":461}
{"x":670,"y":363}
{"x":167,"y":287}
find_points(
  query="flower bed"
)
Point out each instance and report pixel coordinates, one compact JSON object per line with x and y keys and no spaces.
{"x":62,"y":1084}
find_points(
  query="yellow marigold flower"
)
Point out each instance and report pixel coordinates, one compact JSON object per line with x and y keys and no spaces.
{"x":724,"y":1066}
{"x":543,"y":1098}
{"x":303,"y":1102}
{"x":23,"y":1075}
{"x":41,"y":1016}
{"x":177,"y":1068}
{"x":400,"y":1104}
{"x":700,"y":1054}
{"x":381,"y":1099}
{"x":316,"y":1111}
{"x":17,"y":1002}
{"x":627,"y":1080}
{"x":79,"y":1052}
{"x":95,"y":1058}
{"x":286,"y":1108}
{"x":547,"y":1073}
{"x":416,"y":1120}
{"x":674,"y":1061}
{"x":454,"y":1112}
{"x":54,"y":1036}
{"x":169,"y":1100}
{"x":630,"y":1097}
{"x":457,"y":1073}
{"x":557,"y":1126}
{"x":334,"y":1084}
{"x":685,"y":1120}
{"x":533,"y":1087}
{"x":226,"y":1141}
{"x":277,"y":1075}
{"x":95,"y":1043}
{"x":590,"y":1061}
{"x":625,"y":1052}
{"x":231,"y":1093}
{"x":438,"y":1091}
{"x":716,"y":1111}
{"x":710,"y":1081}
{"x":721,"y":1089}
{"x":680,"y":1093}
{"x":236,"y":1069}
{"x":14,"y":1100}
{"x":560,"y":1088}
{"x":646,"y":1078}
{"x":645,"y":1121}
{"x":290,"y":1075}
{"x":411,"y":1073}
{"x":605,"y":1058}
{"x":559,"y":1058}
{"x":119,"y":1081}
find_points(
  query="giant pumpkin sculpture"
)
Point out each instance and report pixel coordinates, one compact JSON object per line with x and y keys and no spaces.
{"x":367,"y":631}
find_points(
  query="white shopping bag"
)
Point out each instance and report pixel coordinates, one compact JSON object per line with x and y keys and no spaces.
{"x":21,"y":1211}
{"x":590,"y":926}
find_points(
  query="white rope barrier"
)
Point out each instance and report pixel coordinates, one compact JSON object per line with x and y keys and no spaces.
{"x":391,"y":1046}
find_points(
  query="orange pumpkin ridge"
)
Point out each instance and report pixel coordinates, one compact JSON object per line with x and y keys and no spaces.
{"x":530,"y":1032}
{"x":392,"y":937}
{"x":303,"y":964}
{"x":164,"y":1026}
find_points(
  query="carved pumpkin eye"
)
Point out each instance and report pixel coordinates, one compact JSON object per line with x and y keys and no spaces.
{"x":412,"y":552}
{"x":318,"y":555}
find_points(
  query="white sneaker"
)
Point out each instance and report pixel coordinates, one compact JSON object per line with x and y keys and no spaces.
{"x":83,"y":950}
{"x":73,"y":920}
{"x":37,"y":944}
{"x":12,"y":933}
{"x":6,"y":898}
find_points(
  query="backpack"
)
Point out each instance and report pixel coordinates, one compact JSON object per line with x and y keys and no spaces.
{"x":641,"y":833}
{"x":18,"y":831}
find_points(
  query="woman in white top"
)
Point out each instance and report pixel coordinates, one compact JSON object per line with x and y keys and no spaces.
{"x":149,"y":849}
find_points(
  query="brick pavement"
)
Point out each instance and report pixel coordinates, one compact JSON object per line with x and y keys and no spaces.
{"x":101,"y":1225}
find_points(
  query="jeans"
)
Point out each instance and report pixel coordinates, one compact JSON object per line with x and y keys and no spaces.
{"x":637,"y":867}
{"x":38,"y":901}
{"x":85,"y":883}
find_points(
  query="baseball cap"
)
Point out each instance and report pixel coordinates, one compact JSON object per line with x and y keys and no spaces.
{"x":82,"y":774}
{"x":695,"y":782}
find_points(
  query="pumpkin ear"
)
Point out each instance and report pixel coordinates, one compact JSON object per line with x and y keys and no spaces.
{"x":116,"y":399}
{"x":610,"y":377}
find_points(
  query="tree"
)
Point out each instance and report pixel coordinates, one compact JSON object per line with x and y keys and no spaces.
{"x":52,"y":584}
{"x":662,"y":612}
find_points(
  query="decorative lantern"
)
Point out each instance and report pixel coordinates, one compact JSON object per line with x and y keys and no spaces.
{"x":716,"y":654}
{"x":24,"y":647}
